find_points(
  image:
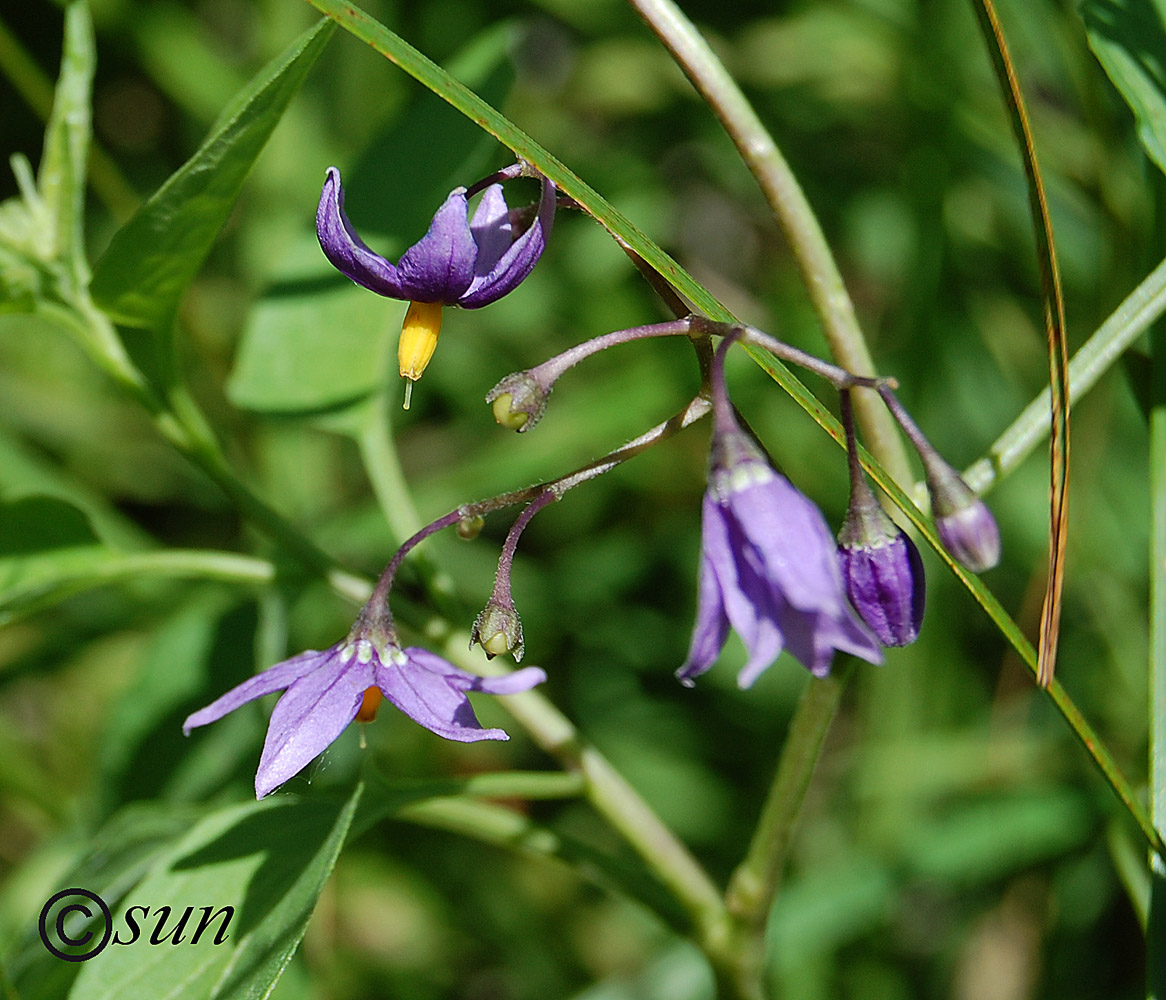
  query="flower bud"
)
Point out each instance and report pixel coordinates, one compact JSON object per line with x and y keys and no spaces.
{"x":885,"y":586}
{"x":971,"y":536}
{"x":965,"y":525}
{"x":498,"y":630}
{"x":518,"y":402}
{"x":470,"y":528}
{"x":882,"y":571}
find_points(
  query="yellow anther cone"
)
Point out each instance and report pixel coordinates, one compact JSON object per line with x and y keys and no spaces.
{"x":419,"y":335}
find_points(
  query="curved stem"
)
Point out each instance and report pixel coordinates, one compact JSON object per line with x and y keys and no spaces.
{"x":181,"y":423}
{"x":785,"y":197}
{"x":609,"y":793}
{"x":549,"y":372}
{"x":29,"y":80}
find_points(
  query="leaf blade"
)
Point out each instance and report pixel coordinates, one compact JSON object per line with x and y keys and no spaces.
{"x":153,"y":258}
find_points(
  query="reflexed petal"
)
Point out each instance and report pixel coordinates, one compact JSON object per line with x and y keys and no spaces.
{"x":313,"y":712}
{"x":491,"y":228}
{"x":440,"y":266}
{"x":463,"y":680}
{"x":274,"y":678}
{"x":517,"y":262}
{"x":347,"y":251}
{"x":422,"y":685}
{"x":712,"y":624}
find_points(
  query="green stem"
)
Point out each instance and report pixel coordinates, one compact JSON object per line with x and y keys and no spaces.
{"x":785,"y":197}
{"x":1141,"y":307}
{"x":610,"y":795}
{"x":181,"y":423}
{"x":756,"y":880}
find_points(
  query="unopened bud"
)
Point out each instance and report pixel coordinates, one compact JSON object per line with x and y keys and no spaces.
{"x":970,"y":534}
{"x":965,"y":525}
{"x":882,"y":571}
{"x":470,"y":528}
{"x":498,"y":630}
{"x":518,"y":402}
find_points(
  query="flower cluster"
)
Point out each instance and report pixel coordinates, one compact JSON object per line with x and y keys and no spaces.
{"x":770,"y":568}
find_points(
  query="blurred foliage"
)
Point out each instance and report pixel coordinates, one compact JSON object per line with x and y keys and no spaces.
{"x":954,"y":842}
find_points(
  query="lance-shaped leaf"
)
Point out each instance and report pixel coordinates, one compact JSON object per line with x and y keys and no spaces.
{"x":1129,"y":39}
{"x":267,"y":863}
{"x":153,"y":258}
{"x":61,"y":178}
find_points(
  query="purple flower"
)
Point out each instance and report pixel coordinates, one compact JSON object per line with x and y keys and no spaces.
{"x":459,"y":262}
{"x":880,"y":564}
{"x":969,"y":533}
{"x":769,"y":569}
{"x":325,"y":691}
{"x":884,"y":581}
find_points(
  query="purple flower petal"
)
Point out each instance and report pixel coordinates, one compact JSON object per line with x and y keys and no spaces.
{"x":754,"y":607}
{"x":491,"y":228}
{"x":517,"y":262}
{"x":347,"y":251}
{"x":420,"y":686}
{"x":312,"y":713}
{"x":885,"y":585}
{"x":794,"y":540}
{"x":440,"y":266}
{"x":769,"y":568}
{"x":274,"y":678}
{"x":712,"y":624}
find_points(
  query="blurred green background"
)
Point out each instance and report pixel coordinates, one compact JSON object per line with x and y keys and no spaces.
{"x":956,"y":842}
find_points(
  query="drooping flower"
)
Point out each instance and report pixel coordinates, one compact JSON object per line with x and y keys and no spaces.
{"x":458,"y":262}
{"x":881,"y":568}
{"x":325,"y":691}
{"x":968,"y":531}
{"x":884,"y":581}
{"x":769,"y":566}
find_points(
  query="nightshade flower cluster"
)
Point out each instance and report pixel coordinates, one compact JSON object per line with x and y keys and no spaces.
{"x":459,"y":262}
{"x":769,"y":566}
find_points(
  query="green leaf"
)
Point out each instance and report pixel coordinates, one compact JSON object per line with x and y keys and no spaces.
{"x":1129,"y":39}
{"x":830,"y":906}
{"x":110,"y":864}
{"x":984,"y":840}
{"x":61,"y":179}
{"x":34,"y":524}
{"x":268,"y":860}
{"x":155,"y":256}
{"x":203,"y":647}
{"x":312,"y":344}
